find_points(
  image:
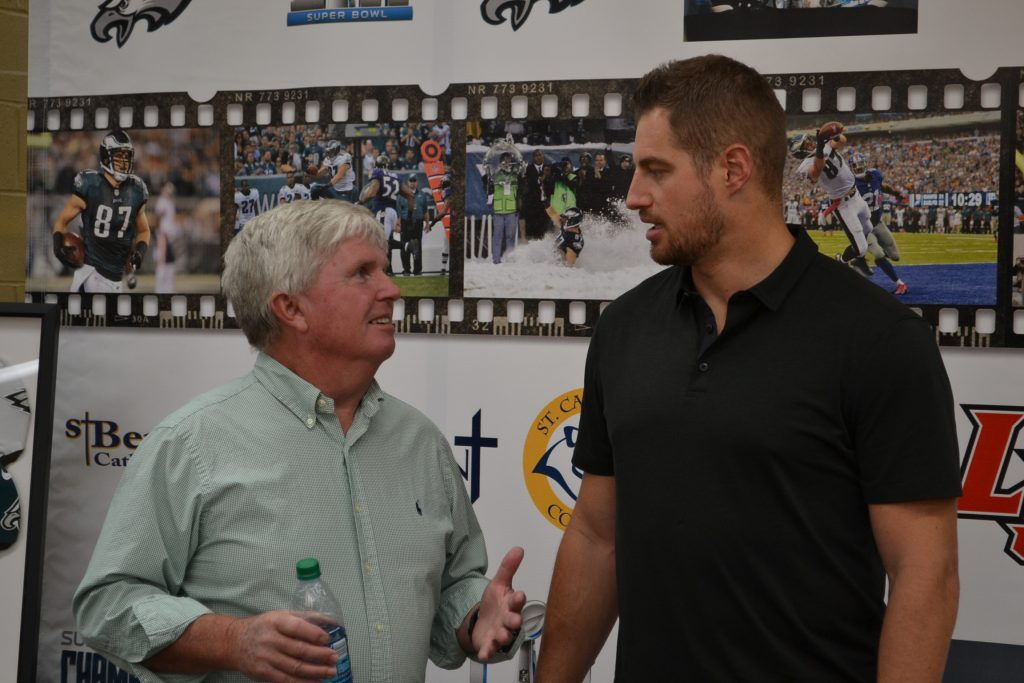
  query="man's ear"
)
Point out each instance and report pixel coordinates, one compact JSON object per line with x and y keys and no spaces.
{"x":289,"y":311}
{"x":738,"y":164}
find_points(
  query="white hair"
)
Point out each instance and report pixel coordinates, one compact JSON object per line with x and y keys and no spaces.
{"x":282,"y":250}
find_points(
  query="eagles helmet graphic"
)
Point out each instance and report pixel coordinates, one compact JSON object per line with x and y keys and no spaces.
{"x":15,"y":416}
{"x":495,"y":11}
{"x":117,"y":155}
{"x":117,"y":18}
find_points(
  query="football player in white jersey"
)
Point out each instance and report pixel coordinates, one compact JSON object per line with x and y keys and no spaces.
{"x":337,"y":166}
{"x":822,"y":163}
{"x":247,"y":204}
{"x":292,"y":190}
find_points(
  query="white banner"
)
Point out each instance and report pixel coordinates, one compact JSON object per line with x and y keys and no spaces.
{"x":112,"y":387}
{"x":987,"y":383}
{"x":248,"y":44}
{"x":501,"y":416}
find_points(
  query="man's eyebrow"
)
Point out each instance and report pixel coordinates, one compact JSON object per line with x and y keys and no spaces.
{"x":647,"y":162}
{"x":362,"y":263}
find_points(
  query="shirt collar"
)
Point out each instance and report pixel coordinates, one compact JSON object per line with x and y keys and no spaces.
{"x":303,"y":399}
{"x":772,"y":290}
{"x":687,"y":289}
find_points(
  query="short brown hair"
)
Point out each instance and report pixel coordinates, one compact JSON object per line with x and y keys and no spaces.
{"x":713,"y":102}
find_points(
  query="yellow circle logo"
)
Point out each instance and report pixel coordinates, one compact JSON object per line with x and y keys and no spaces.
{"x":550,"y":477}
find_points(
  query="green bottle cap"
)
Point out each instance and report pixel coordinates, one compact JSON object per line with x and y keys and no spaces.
{"x":307,"y":569}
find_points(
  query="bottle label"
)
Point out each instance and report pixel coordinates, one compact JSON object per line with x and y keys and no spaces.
{"x":339,"y":643}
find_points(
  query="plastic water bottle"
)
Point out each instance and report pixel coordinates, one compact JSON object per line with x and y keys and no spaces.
{"x":314,"y":602}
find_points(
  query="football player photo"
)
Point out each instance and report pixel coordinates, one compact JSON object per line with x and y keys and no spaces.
{"x":536,"y":192}
{"x":909,"y":201}
{"x":382,"y":166}
{"x":124,"y":211}
{"x":755,"y":19}
{"x":1017,"y":268}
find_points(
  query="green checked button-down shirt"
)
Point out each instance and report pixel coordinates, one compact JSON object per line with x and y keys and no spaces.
{"x":224,"y":496}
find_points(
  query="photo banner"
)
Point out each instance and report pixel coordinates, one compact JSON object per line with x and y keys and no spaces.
{"x":940,"y":147}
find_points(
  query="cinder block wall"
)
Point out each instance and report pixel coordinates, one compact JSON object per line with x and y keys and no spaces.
{"x":13,"y":112}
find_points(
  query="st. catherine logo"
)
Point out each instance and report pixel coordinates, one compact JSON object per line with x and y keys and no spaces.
{"x":551,"y":478}
{"x":117,"y":18}
{"x":992,"y":472}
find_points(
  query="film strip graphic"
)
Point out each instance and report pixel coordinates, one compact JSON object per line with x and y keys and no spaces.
{"x":497,"y":164}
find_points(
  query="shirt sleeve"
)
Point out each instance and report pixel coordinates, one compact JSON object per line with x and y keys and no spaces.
{"x":129,"y":603}
{"x":463,"y":579}
{"x":901,"y":417}
{"x":593,"y":451}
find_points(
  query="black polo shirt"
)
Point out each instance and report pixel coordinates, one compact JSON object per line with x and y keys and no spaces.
{"x":744,"y":463}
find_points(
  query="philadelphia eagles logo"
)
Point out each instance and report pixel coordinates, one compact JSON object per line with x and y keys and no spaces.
{"x":11,"y":516}
{"x":10,"y":510}
{"x":494,"y":11}
{"x":117,"y":18}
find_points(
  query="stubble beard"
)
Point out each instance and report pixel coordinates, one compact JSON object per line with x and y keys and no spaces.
{"x":700,"y":233}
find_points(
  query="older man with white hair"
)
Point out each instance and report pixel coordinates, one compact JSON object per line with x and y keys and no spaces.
{"x":304,"y":456}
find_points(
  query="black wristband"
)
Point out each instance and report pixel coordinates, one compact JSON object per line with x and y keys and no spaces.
{"x":140,"y":249}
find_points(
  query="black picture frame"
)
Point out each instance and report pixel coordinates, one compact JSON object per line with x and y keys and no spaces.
{"x":48,"y":317}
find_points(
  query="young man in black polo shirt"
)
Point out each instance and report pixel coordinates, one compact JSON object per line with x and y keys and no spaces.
{"x":748,"y":488}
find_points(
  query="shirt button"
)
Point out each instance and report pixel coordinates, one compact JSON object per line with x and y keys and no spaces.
{"x":310,"y":422}
{"x":709,"y":329}
{"x":359,"y":508}
{"x":703,"y":367}
{"x":369,"y":568}
{"x":380,"y":628}
{"x":321,"y":403}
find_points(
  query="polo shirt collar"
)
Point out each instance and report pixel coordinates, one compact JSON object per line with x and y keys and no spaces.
{"x":772,"y":290}
{"x":302,"y":398}
{"x":687,"y":289}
